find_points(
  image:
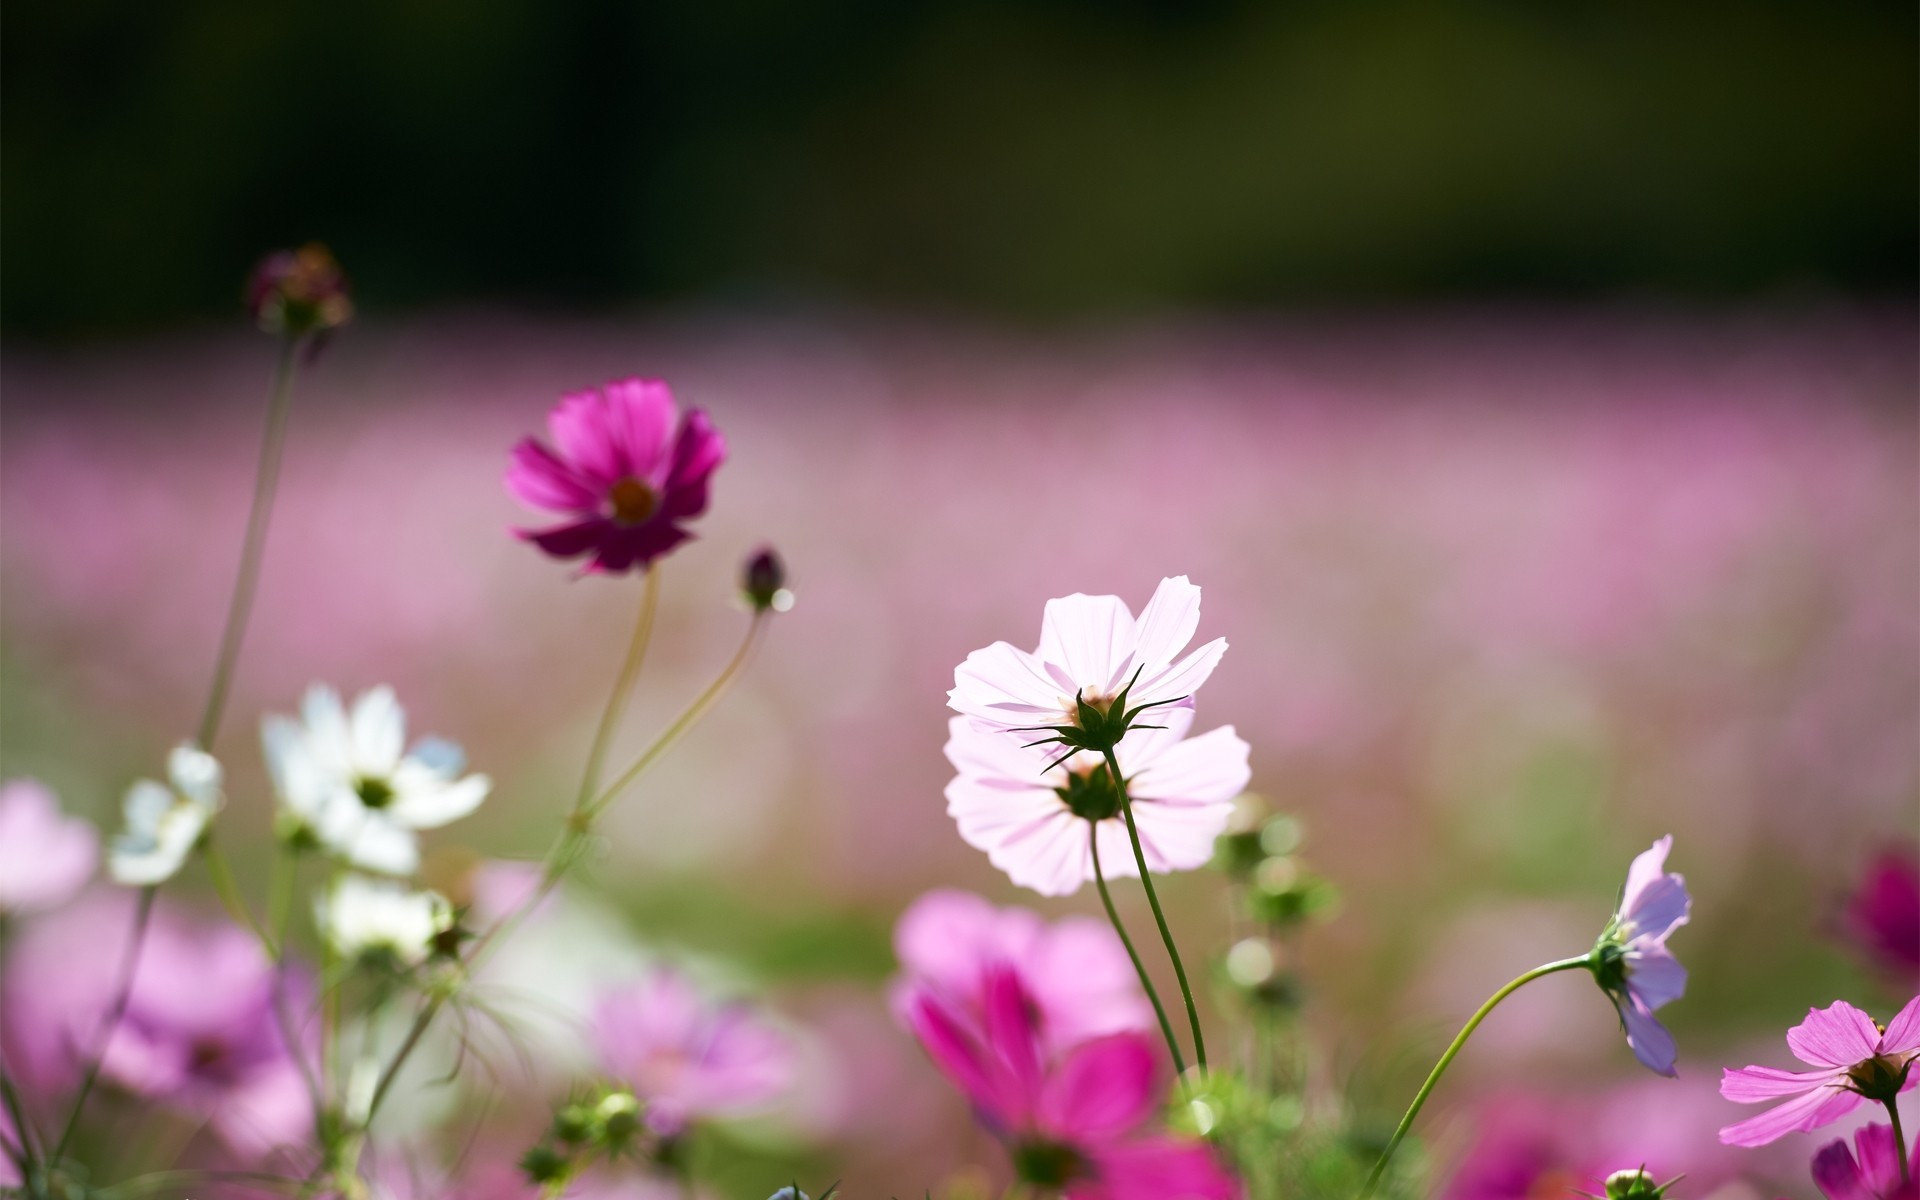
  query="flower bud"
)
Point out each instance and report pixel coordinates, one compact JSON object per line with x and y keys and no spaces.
{"x":764,"y":582}
{"x":619,"y":1119}
{"x":299,"y":292}
{"x":544,"y":1165}
{"x":1636,"y":1184}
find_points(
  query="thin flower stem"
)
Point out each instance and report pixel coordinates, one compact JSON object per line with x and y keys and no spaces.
{"x":122,"y":995}
{"x":622,"y":688}
{"x":286,"y":875}
{"x":22,"y":1154}
{"x":1446,"y":1059}
{"x":1113,"y":915}
{"x":1899,"y":1142}
{"x":228,"y":890}
{"x":266,"y":480}
{"x":1159,"y":918}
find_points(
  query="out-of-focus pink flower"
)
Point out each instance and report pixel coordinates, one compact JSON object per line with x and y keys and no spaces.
{"x":1883,"y":915}
{"x":1032,"y":819}
{"x":199,"y":1033}
{"x":951,"y":943}
{"x":1633,"y":964}
{"x":1090,"y":647}
{"x":1870,"y":1170}
{"x":45,"y":858}
{"x":623,"y":475}
{"x":1075,"y":1122}
{"x":1854,"y":1060}
{"x":685,"y":1057}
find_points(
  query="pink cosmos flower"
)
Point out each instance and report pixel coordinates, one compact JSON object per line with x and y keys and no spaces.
{"x":1869,"y":1171}
{"x":685,"y":1057}
{"x":45,"y":858}
{"x":623,"y":475}
{"x":1855,"y":1060}
{"x":1632,"y":962}
{"x":1090,"y":646}
{"x":1075,"y":970}
{"x":1032,"y":819}
{"x":1072,"y":1122}
{"x":1883,"y":915}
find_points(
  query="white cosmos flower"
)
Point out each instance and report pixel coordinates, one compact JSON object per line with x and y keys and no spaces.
{"x":361,"y":917}
{"x":351,"y":781}
{"x":164,"y":820}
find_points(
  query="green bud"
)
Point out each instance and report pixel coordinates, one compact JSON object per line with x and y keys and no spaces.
{"x":619,"y":1119}
{"x":543,"y":1165}
{"x":1636,"y":1184}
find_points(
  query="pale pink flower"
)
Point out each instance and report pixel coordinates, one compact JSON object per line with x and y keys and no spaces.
{"x":1854,"y":1060}
{"x":1632,"y":962}
{"x":1077,"y":973}
{"x":625,"y":477}
{"x":687,"y":1057}
{"x":1091,"y":647}
{"x":1076,"y":1122}
{"x":45,"y":858}
{"x":1868,"y":1171}
{"x":1032,"y":819}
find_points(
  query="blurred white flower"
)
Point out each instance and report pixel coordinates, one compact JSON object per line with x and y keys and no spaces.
{"x":165,"y":820}
{"x":352,"y":784}
{"x":363,"y":917}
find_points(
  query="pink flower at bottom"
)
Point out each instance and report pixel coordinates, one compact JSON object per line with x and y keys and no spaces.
{"x":1072,"y":1122}
{"x":1869,"y":1171}
{"x":45,"y":858}
{"x":1855,"y":1061}
{"x":1082,"y":984}
{"x":686,"y":1057}
{"x":623,"y":474}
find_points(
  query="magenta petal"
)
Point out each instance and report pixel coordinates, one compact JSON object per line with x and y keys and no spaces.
{"x":569,"y":541}
{"x":623,"y":549}
{"x":640,"y":416}
{"x":1837,"y":1175}
{"x":1879,"y":1161}
{"x":1101,"y":1090}
{"x":1903,"y":1032}
{"x":1838,"y":1035}
{"x":697,"y":452}
{"x":1011,"y":1028}
{"x":1798,"y":1115}
{"x":539,"y":478}
{"x":581,"y":432}
{"x":964,"y":1063}
{"x":1750,"y":1085}
{"x":1161,"y":1168}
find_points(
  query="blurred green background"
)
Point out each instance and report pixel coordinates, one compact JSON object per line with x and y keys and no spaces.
{"x":1032,"y":160}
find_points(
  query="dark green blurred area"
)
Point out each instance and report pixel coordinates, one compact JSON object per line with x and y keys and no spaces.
{"x":1040,"y":159}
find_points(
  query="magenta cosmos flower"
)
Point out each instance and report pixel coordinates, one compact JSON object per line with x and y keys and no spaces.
{"x":624,"y":476}
{"x":1631,"y":961}
{"x":686,"y":1057}
{"x":1870,"y":1170}
{"x":45,"y":858}
{"x":1854,"y":1060}
{"x":1883,"y":915}
{"x":1092,"y":648}
{"x":1033,"y":818}
{"x":1075,"y":970}
{"x":1072,"y":1122}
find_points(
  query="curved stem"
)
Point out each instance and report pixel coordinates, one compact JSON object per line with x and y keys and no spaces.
{"x":266,"y":480}
{"x":122,"y":995}
{"x":1899,"y":1142}
{"x":1159,"y":1010}
{"x":1446,"y":1059}
{"x":622,"y":688}
{"x":1159,"y":918}
{"x":229,"y":893}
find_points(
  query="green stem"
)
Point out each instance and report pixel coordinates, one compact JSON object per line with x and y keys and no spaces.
{"x":122,"y":995}
{"x":228,"y":890}
{"x":1159,"y":1010}
{"x":1899,"y":1142}
{"x":265,"y":480}
{"x":1446,"y":1059}
{"x":1159,"y":918}
{"x":622,"y":688}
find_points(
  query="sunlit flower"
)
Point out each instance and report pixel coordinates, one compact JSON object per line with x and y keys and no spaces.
{"x":1032,"y":818}
{"x":1854,"y":1060}
{"x":165,"y":820}
{"x":1091,"y":650}
{"x":1870,"y":1170}
{"x":686,"y":1057}
{"x":351,"y":783}
{"x":1073,"y":1123}
{"x":625,"y":477}
{"x":1883,"y":914}
{"x":366,"y":918}
{"x":951,"y":943}
{"x":1631,"y":960}
{"x":44,"y":857}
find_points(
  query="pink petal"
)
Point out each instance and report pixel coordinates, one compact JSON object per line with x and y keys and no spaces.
{"x":1091,"y":639}
{"x":947,"y":937}
{"x":1000,"y":686}
{"x":1798,"y":1115}
{"x":1101,"y":1090}
{"x":1649,"y":865}
{"x":1648,"y":1039}
{"x":1837,"y":1175}
{"x":1879,"y":1161}
{"x":1182,"y":679}
{"x":1012,"y":1032}
{"x":1750,"y":1085}
{"x":1654,"y":976}
{"x":1175,"y":837}
{"x":1661,"y":907}
{"x":1839,"y":1035}
{"x":581,"y":430}
{"x":1161,"y":1168}
{"x":1903,"y":1032}
{"x":1210,"y":768}
{"x":697,"y":453}
{"x":538,"y":478}
{"x":640,"y":414}
{"x":1167,"y":623}
{"x":624,"y":548}
{"x":964,"y":1063}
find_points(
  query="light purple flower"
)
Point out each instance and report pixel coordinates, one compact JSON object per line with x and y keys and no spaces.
{"x":1854,"y":1060}
{"x":1092,"y":646}
{"x":1868,"y":1171}
{"x":1076,"y":972}
{"x":686,"y":1057}
{"x":1032,"y":820}
{"x":1631,"y":960}
{"x":45,"y":858}
{"x":625,"y":477}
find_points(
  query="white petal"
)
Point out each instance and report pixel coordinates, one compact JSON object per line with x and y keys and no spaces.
{"x":1206,"y":769}
{"x":1090,"y":638}
{"x":146,"y":804}
{"x":195,"y":775}
{"x":1167,"y":623}
{"x":327,"y":737}
{"x":422,"y":801}
{"x":1178,"y":837}
{"x":1001,"y":687}
{"x":1181,"y":680}
{"x":379,"y":732}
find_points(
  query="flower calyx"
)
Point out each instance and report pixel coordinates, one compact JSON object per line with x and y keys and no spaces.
{"x":1096,"y":724}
